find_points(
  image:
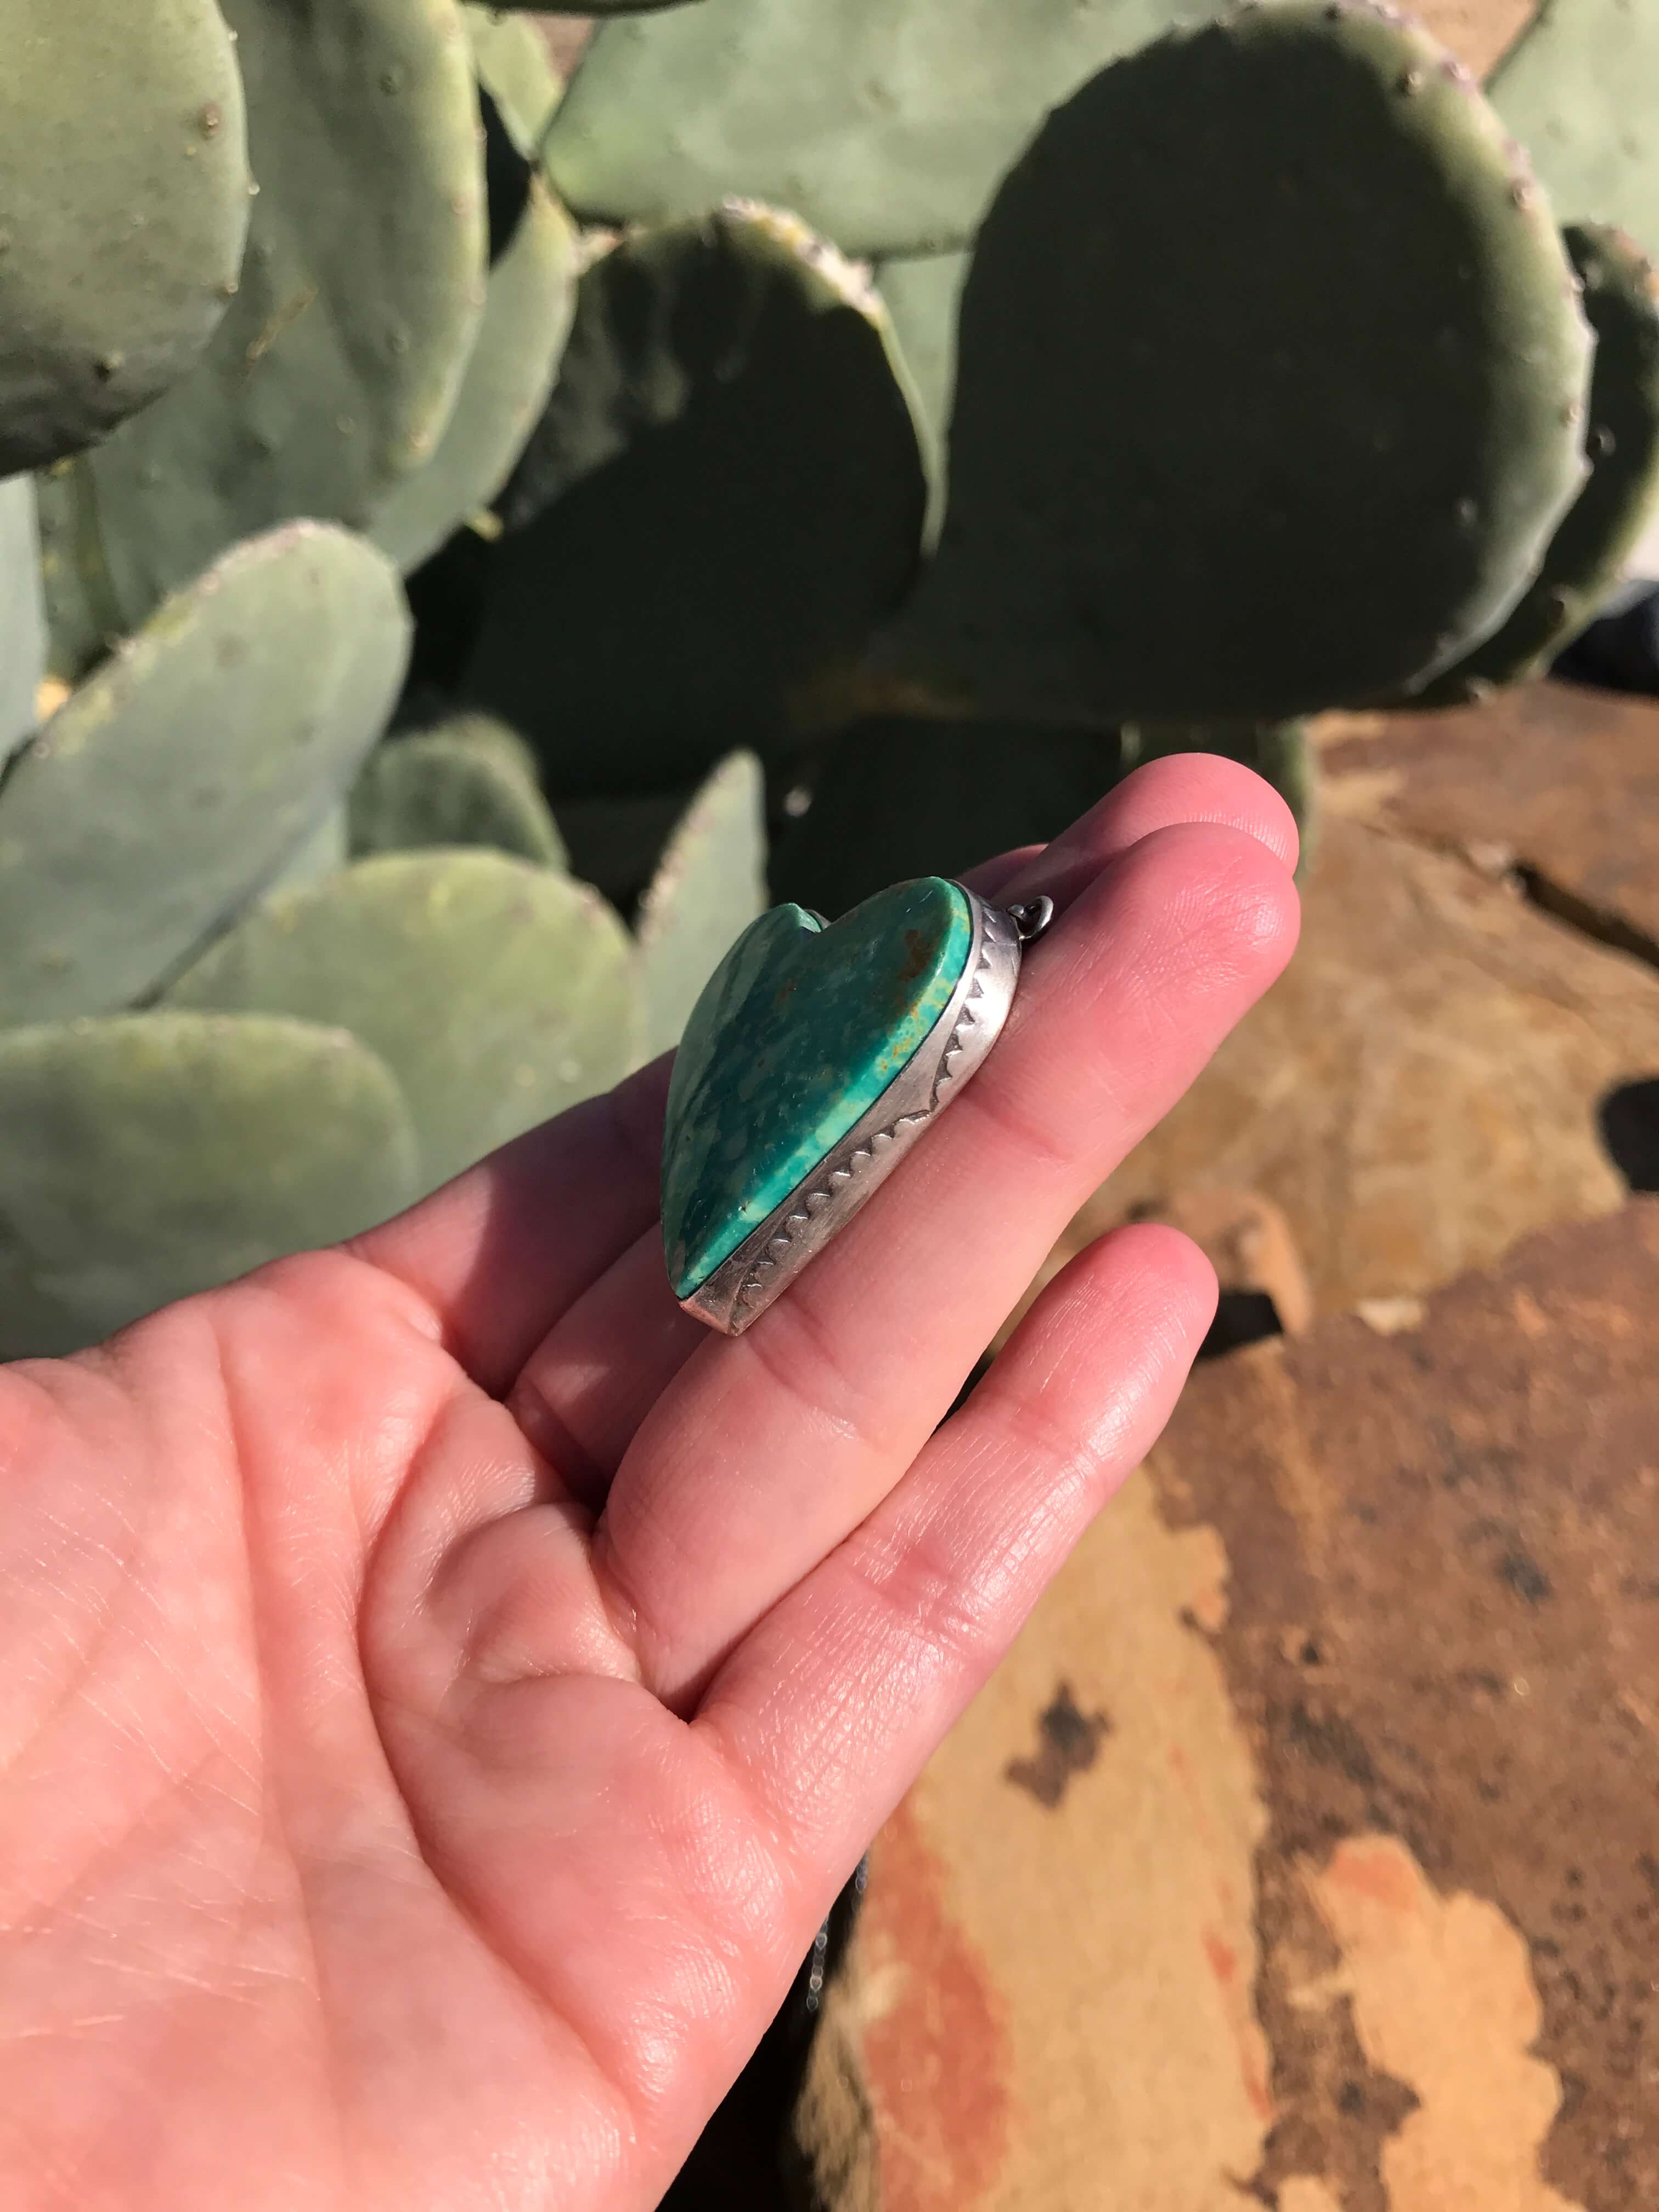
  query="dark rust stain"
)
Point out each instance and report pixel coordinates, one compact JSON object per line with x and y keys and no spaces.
{"x":1524,"y":1577}
{"x":1068,"y":1743}
{"x":921,"y":949}
{"x":1457,"y":1547}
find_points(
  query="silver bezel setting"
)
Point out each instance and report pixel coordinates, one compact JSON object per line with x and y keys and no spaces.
{"x":739,"y":1290}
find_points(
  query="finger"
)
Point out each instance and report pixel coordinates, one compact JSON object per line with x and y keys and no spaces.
{"x":587,"y":1386}
{"x":832,"y":1705}
{"x":501,"y":1252}
{"x":731,"y":1851}
{"x":765,"y":1451}
{"x":1177,"y":788}
{"x":584,"y":1393}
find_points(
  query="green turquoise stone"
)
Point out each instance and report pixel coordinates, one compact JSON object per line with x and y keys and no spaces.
{"x":797,"y":1035}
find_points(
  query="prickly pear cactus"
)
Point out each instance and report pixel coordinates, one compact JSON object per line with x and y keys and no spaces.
{"x":1577,"y":90}
{"x":498,"y":992}
{"x":333,"y":375}
{"x":710,"y":885}
{"x":725,"y":492}
{"x":885,"y":126}
{"x":466,"y":783}
{"x":1585,"y":558}
{"x":1385,"y":453}
{"x":515,"y":358}
{"x":922,"y":292}
{"x":149,"y":1156}
{"x":513,"y":69}
{"x":175,"y":782}
{"x":22,"y":615}
{"x":123,"y":207}
{"x":323,"y":852}
{"x":1252,"y":380}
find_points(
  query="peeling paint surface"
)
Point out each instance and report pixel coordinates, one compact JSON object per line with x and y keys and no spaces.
{"x":1443,"y":2000}
{"x":1354,"y":1905}
{"x":1111,"y":1931}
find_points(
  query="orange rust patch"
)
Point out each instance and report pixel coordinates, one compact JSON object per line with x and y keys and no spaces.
{"x":1376,"y":1870}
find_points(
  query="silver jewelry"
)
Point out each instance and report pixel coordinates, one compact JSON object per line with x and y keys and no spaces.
{"x":740,"y":1289}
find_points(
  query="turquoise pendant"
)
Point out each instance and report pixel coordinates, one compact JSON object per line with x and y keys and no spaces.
{"x":815,"y":1056}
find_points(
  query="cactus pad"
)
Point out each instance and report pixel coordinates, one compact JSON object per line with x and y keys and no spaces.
{"x":710,"y":885}
{"x":22,"y":616}
{"x":923,"y":295}
{"x":443,"y":787}
{"x":1600,"y":530}
{"x":321,"y":853}
{"x":725,"y":493}
{"x":1295,"y":433}
{"x":82,"y":620}
{"x":178,"y":778}
{"x":124,"y":206}
{"x":498,"y":992}
{"x":886,"y":126}
{"x":151,"y":1156}
{"x":526,"y":319}
{"x":1577,"y":89}
{"x":332,"y":376}
{"x":512,"y":65}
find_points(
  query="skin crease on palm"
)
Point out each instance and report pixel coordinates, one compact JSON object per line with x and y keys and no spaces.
{"x":442,"y":1686}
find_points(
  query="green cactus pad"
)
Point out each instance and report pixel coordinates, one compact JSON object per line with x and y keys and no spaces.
{"x":512,"y":65}
{"x":527,"y":320}
{"x":1590,"y":547}
{"x":1298,"y":433}
{"x":333,"y":375}
{"x":498,"y":992}
{"x":178,"y":778}
{"x":725,"y":493}
{"x":1577,"y":89}
{"x":483,"y":734}
{"x":443,"y":787}
{"x":321,"y":853}
{"x":22,"y":616}
{"x":886,"y":126}
{"x":894,"y":798}
{"x":599,"y":8}
{"x":82,"y":620}
{"x":710,"y":885}
{"x":923,"y":295}
{"x":124,"y":206}
{"x":149,"y":1155}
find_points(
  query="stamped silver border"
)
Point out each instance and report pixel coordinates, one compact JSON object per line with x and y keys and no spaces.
{"x":739,"y":1291}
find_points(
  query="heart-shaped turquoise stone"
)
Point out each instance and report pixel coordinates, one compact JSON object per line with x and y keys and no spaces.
{"x":798,"y":1033}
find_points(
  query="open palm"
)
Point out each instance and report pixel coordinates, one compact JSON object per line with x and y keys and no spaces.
{"x":441,"y":1686}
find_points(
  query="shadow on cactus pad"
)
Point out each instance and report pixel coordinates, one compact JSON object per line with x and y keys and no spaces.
{"x":1270,"y":385}
{"x":726,"y":494}
{"x":893,"y":798}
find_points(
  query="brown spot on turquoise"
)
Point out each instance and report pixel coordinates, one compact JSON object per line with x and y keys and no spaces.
{"x":797,"y":1035}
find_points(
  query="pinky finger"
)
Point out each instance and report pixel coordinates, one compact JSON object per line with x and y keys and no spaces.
{"x":835,"y":1700}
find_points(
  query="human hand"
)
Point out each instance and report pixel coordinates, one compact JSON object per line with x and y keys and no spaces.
{"x":442,"y":1686}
